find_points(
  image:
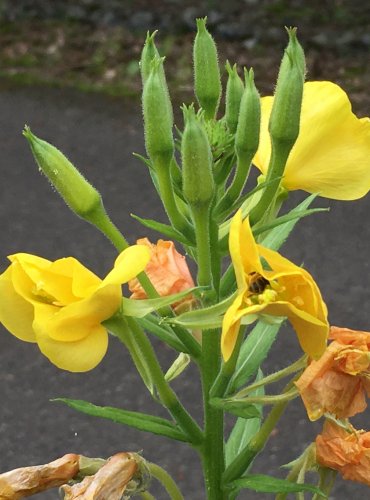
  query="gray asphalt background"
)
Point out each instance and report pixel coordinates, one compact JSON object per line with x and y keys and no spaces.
{"x":99,"y":135}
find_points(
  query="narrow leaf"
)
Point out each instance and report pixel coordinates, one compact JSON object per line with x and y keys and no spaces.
{"x":164,"y":229}
{"x":238,"y":408}
{"x":157,"y":327}
{"x":243,"y":430}
{"x":253,"y":352}
{"x":137,"y":420}
{"x":279,"y":221}
{"x":268,"y":484}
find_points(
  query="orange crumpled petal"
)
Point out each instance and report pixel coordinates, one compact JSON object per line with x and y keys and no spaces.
{"x":347,"y":452}
{"x":338,"y":381}
{"x":167,"y":270}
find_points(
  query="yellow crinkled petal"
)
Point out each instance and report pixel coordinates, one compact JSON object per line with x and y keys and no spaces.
{"x":16,"y":314}
{"x":243,"y":249}
{"x":74,"y":321}
{"x":331,"y":155}
{"x":131,"y":262}
{"x":79,"y":356}
{"x":230,"y":327}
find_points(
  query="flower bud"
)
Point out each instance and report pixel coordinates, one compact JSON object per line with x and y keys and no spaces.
{"x":234,"y":92}
{"x":158,"y":116}
{"x":76,"y":191}
{"x":148,"y":53}
{"x":197,"y":163}
{"x":207,"y":81}
{"x":248,"y":129}
{"x":286,"y":109}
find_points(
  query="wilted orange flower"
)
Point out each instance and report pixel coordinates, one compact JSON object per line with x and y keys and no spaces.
{"x":347,"y":451}
{"x":338,"y":381}
{"x":167,"y":270}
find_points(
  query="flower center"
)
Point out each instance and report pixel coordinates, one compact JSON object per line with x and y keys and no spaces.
{"x":261,"y":290}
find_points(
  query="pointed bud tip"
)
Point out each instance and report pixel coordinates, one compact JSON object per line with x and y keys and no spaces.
{"x":201,"y":23}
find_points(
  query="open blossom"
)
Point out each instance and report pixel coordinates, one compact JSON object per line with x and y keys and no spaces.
{"x":347,"y":451}
{"x":285,"y":290}
{"x":61,"y":305}
{"x":167,"y":270}
{"x":331,"y":154}
{"x":338,"y":382}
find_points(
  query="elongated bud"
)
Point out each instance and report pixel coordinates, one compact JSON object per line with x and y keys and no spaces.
{"x":234,"y":92}
{"x":178,"y":366}
{"x":77,"y":192}
{"x":207,"y":80}
{"x":286,"y":109}
{"x":158,"y":116}
{"x":148,"y":53}
{"x":248,"y":129}
{"x":197,"y":163}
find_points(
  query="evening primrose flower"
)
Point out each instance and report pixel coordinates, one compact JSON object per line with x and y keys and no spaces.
{"x":338,"y":381}
{"x":331,"y":154}
{"x":345,"y":450}
{"x":60,"y":305}
{"x":284,"y":290}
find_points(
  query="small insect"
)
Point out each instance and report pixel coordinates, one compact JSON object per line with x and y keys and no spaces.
{"x":257,"y":283}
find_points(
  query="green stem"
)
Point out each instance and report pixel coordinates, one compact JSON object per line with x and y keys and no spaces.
{"x":202,"y":234}
{"x":326,"y":482}
{"x":166,"y":395}
{"x":100,"y":219}
{"x":274,"y":377}
{"x":213,"y":448}
{"x":240,"y":464}
{"x":169,"y":202}
{"x":279,"y":156}
{"x":166,"y":480}
{"x":266,"y":400}
{"x":146,"y":495}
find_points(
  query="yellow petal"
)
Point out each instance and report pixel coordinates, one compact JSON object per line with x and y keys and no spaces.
{"x":16,"y":314}
{"x":79,"y":356}
{"x":75,"y":321}
{"x":331,"y":155}
{"x":131,"y":262}
{"x":230,"y":327}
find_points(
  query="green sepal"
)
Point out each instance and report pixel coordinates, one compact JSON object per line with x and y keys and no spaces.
{"x":241,"y":409}
{"x":137,"y":420}
{"x":164,"y":229}
{"x":253,"y":352}
{"x":262,"y":483}
{"x":177,"y":367}
{"x":243,"y":430}
{"x":140,"y":308}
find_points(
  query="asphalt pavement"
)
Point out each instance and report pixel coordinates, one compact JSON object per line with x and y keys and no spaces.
{"x":99,"y":135}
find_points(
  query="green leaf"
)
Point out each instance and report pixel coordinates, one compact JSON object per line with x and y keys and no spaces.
{"x":142,"y":307}
{"x":208,"y":317}
{"x":269,"y":484}
{"x":137,"y":420}
{"x":275,"y":239}
{"x":253,"y":352}
{"x":243,"y":430}
{"x":164,"y":229}
{"x":238,"y":408}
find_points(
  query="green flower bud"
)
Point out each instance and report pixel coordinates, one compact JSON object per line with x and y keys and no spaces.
{"x":286,"y":109}
{"x":248,"y":129}
{"x":207,"y":80}
{"x":198,"y":184}
{"x":158,"y":117}
{"x":148,"y":53}
{"x":76,"y":191}
{"x":234,"y":92}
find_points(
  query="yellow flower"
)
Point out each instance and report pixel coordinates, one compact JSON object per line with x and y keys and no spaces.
{"x":285,"y":290}
{"x":61,"y":305}
{"x":332,"y":153}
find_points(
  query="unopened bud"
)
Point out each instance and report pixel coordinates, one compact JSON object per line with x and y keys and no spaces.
{"x":234,"y":92}
{"x":177,"y":367}
{"x":197,"y":163}
{"x":158,"y":117}
{"x":148,"y":53}
{"x":286,"y":109}
{"x":248,"y":130}
{"x":207,"y":80}
{"x":76,"y":191}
